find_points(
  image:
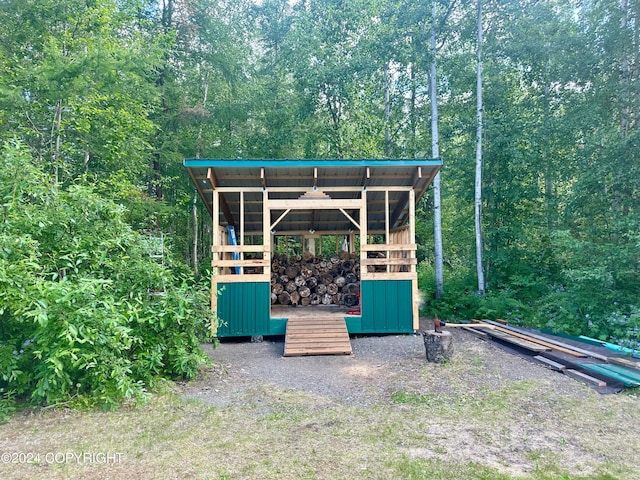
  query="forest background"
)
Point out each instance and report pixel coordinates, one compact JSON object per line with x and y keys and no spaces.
{"x":101,"y":100}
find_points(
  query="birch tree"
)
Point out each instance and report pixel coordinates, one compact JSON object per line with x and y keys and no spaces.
{"x":478,"y":178}
{"x":435,"y":153}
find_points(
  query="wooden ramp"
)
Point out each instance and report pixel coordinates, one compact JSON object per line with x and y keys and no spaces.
{"x":316,"y":336}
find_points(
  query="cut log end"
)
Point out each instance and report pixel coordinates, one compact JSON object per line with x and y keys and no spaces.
{"x":438,"y":346}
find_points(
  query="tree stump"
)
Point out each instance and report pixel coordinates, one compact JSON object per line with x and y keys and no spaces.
{"x":438,"y":345}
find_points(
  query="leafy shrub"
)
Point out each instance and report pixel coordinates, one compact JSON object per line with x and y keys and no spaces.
{"x":85,"y":312}
{"x":462,"y":302}
{"x":626,"y":328}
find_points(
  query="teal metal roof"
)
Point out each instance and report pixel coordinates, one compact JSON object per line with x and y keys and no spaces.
{"x":302,"y":175}
{"x":288,"y":163}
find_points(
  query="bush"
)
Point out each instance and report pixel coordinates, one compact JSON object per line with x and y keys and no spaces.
{"x":86,"y":314}
{"x":462,"y":302}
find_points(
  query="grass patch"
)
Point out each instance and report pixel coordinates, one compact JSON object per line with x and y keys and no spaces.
{"x":413,"y":398}
{"x":268,"y":432}
{"x":436,"y":470}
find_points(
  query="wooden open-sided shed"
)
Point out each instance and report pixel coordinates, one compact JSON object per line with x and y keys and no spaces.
{"x":370,"y":204}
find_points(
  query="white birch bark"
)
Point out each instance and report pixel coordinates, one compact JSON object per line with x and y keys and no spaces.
{"x":435,"y":153}
{"x":387,"y":111}
{"x":478,"y":179}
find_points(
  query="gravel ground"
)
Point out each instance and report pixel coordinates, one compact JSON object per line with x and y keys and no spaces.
{"x":379,"y":366}
{"x":488,"y":406}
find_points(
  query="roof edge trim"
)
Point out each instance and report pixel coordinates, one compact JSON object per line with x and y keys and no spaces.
{"x":288,"y":163}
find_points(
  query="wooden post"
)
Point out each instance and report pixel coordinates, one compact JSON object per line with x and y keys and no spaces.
{"x":241,"y":239}
{"x":364,"y":222}
{"x":387,"y":238}
{"x":412,"y":254}
{"x":267,"y":239}
{"x":215,"y":257}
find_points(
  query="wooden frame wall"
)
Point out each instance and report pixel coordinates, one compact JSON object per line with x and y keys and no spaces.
{"x":398,"y":252}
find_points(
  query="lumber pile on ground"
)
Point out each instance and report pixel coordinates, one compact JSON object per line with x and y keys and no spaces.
{"x":312,"y":280}
{"x":605,"y":372}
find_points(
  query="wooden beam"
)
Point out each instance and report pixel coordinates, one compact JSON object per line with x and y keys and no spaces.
{"x":266,"y":231}
{"x":223,"y":203}
{"x":350,"y":218}
{"x":328,"y":188}
{"x":259,"y":202}
{"x":346,"y":176}
{"x":241,"y":242}
{"x":308,"y":204}
{"x":364,"y":224}
{"x":550,"y":363}
{"x":234,"y":263}
{"x":247,"y":277}
{"x":273,"y":226}
{"x":388,"y":261}
{"x":412,"y":256}
{"x":263,"y":180}
{"x":215,"y":241}
{"x":560,"y":346}
{"x":366,"y":178}
{"x":237,"y":248}
{"x":430,"y":178}
{"x":317,"y":234}
{"x":568,"y":351}
{"x":583,"y":377}
{"x":386,"y":216}
{"x":377,"y":247}
{"x":200,"y":187}
{"x":386,"y":276}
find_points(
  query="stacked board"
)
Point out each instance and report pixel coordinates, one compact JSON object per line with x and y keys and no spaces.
{"x":316,"y":336}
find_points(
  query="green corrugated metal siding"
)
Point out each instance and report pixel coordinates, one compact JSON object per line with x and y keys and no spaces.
{"x":243,"y":309}
{"x":386,"y":306}
{"x":354,"y":323}
{"x":630,"y":378}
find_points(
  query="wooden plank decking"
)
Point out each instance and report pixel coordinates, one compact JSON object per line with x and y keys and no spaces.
{"x":316,"y":336}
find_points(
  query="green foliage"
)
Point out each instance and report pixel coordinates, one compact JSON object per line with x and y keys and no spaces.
{"x":625,"y":328}
{"x":461,"y":301}
{"x":86,"y":313}
{"x":77,"y":88}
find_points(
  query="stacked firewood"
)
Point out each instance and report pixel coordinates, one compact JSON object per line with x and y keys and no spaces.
{"x":310,"y":280}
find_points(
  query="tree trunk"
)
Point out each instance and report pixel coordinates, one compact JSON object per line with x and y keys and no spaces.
{"x":55,"y":131}
{"x":478,"y":180}
{"x":195,"y":233}
{"x":387,"y":112}
{"x":435,"y":153}
{"x":438,"y":346}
